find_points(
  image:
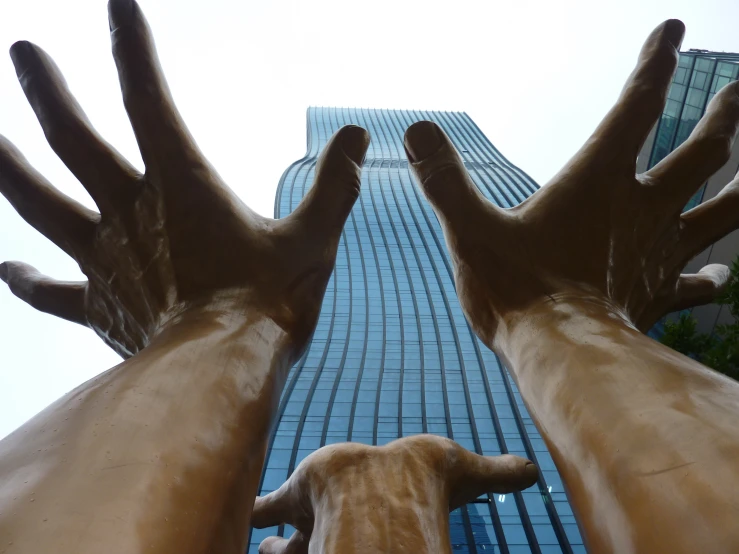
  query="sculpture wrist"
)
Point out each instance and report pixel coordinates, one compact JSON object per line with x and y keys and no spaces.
{"x":212,"y":314}
{"x":569,"y":313}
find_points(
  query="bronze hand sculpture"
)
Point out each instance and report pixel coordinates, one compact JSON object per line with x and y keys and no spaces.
{"x":560,"y":286}
{"x":351,"y":498}
{"x":209,"y":302}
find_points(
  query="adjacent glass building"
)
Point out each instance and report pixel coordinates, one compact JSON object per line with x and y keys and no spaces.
{"x":700,"y":75}
{"x":393,"y":355}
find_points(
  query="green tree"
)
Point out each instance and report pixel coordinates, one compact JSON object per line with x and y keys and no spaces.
{"x":681,"y":335}
{"x":719,"y":350}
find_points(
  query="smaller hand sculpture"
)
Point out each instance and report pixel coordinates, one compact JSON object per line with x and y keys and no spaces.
{"x":395,"y":498}
{"x":175,"y":236}
{"x":596,"y":229}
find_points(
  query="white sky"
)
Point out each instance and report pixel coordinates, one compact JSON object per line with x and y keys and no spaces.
{"x":535,"y":76}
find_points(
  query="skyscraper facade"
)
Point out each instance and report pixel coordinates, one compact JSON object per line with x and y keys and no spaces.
{"x":700,"y":75}
{"x":393,"y":355}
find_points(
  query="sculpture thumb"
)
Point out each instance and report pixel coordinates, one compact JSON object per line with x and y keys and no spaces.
{"x":441,"y":173}
{"x":337,"y":181}
{"x":60,"y":298}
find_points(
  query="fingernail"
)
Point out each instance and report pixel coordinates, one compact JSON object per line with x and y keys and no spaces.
{"x":674,"y":31}
{"x":354,"y":143}
{"x":531,"y":471}
{"x":23,"y":54}
{"x":422,"y":139}
{"x":120,"y":13}
{"x":4,"y":270}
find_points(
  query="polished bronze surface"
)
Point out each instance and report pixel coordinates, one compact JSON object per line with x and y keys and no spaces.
{"x":560,"y":287}
{"x":209,"y":303}
{"x":351,"y":498}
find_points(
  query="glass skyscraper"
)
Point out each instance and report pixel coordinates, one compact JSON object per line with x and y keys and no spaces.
{"x":699,"y":76}
{"x":393,"y":355}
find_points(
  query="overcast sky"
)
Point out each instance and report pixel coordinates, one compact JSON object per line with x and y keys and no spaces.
{"x":535,"y":76}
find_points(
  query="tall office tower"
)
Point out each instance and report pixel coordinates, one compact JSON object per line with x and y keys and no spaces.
{"x":699,"y":76}
{"x":393,"y":355}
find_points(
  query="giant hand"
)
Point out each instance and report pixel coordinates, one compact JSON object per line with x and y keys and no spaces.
{"x":396,"y":498}
{"x":175,"y":236}
{"x":560,"y":287}
{"x":596,"y":228}
{"x":209,"y":302}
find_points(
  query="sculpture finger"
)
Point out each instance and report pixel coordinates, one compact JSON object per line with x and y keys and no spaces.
{"x":297,"y":544}
{"x":696,"y":289}
{"x":272,"y":509}
{"x":709,"y":222}
{"x":337,"y":181}
{"x":163,"y":138}
{"x":505,"y":473}
{"x":621,"y":134}
{"x":65,"y":222}
{"x":100,"y":169}
{"x":60,"y":298}
{"x":707,"y":149}
{"x":443,"y":177}
{"x":476,"y":475}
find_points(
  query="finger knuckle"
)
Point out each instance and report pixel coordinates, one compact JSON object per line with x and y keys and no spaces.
{"x":719,"y":147}
{"x":645,"y":95}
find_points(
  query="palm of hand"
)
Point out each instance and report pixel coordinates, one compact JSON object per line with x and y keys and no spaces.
{"x":597,"y":228}
{"x":175,"y":236}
